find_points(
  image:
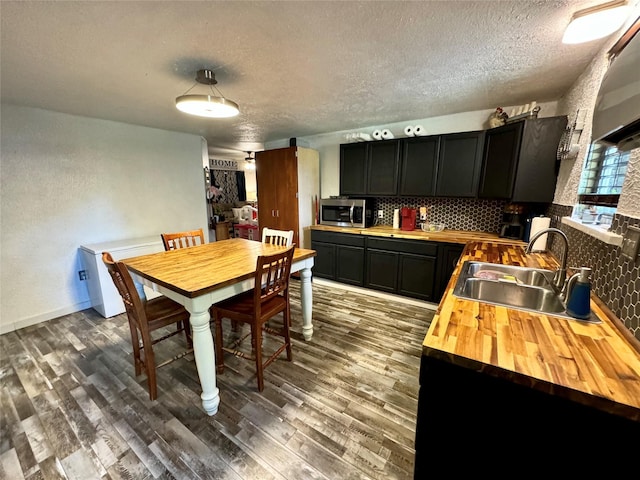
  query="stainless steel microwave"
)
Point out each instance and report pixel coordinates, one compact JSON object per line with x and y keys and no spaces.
{"x":346,"y":212}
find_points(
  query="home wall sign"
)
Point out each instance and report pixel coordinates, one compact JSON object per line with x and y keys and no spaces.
{"x":215,"y":164}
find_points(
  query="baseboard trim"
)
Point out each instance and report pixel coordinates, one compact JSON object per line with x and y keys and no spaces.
{"x":43,"y":317}
{"x":376,"y":293}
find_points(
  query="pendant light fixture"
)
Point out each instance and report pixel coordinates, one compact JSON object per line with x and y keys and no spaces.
{"x":210,"y":105}
{"x":251,"y":161}
{"x":596,"y":22}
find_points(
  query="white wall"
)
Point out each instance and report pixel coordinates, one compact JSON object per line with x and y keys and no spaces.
{"x":582,"y":97}
{"x":328,"y":144}
{"x":68,"y":181}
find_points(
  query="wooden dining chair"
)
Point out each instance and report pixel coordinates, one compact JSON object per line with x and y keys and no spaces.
{"x":188,"y":238}
{"x":277,"y":237}
{"x":269,"y":297}
{"x":146,"y":316}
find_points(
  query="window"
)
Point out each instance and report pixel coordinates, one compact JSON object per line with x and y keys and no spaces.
{"x":603,"y":175}
{"x":600,"y":184}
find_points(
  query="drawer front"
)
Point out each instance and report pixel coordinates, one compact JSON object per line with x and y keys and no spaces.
{"x":338,"y":238}
{"x":417,"y":247}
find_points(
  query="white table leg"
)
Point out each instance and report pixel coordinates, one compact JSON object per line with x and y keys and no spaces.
{"x":307,"y":301}
{"x":204,"y":353}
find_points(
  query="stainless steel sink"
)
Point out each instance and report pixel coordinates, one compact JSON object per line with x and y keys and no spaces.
{"x":522,"y":288}
{"x":511,"y":294}
{"x":521,"y":275}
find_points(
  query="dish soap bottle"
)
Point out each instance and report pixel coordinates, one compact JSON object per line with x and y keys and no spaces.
{"x":578,"y":294}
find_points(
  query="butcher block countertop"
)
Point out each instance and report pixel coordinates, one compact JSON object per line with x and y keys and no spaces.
{"x":447,"y":236}
{"x":597,"y":365}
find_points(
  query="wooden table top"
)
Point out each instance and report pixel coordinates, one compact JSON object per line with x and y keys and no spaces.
{"x":447,"y":236}
{"x":594,"y":364}
{"x":197,"y":270}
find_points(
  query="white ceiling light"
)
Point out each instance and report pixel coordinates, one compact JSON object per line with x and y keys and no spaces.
{"x":596,"y":22}
{"x":211,"y":106}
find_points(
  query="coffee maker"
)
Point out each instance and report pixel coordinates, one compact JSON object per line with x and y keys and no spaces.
{"x":512,"y":225}
{"x":408,"y":218}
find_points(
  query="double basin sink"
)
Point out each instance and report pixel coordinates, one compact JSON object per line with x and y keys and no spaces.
{"x":523,"y":288}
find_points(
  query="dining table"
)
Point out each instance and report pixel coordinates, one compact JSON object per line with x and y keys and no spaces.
{"x":199,"y":276}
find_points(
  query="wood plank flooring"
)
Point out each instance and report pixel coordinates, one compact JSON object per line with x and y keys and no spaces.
{"x":345,"y":408}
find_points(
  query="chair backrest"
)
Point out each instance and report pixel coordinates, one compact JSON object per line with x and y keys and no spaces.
{"x":272,"y":276}
{"x":283,"y":238}
{"x":176,"y":240}
{"x":126,"y":288}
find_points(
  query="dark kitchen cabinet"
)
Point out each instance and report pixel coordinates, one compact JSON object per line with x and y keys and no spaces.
{"x":382,"y":172}
{"x":519,"y":160}
{"x":369,"y":168}
{"x":382,"y":270}
{"x":439,"y":165}
{"x":353,"y":168}
{"x":460,"y":401}
{"x":459,"y":164}
{"x":448,"y":256}
{"x":418,"y":166}
{"x":404,"y":267}
{"x":340,"y":256}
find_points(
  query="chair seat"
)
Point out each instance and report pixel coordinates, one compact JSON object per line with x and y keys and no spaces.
{"x":241,"y":307}
{"x":161,"y":311}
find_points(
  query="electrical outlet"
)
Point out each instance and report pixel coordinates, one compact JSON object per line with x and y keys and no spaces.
{"x":380,"y":213}
{"x":82,"y":274}
{"x":631,"y":243}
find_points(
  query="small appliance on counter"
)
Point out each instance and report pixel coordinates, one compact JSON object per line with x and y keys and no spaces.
{"x":408,"y":216}
{"x":512,"y":225}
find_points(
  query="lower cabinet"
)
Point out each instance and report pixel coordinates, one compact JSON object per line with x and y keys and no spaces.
{"x":465,"y":405}
{"x":448,"y":256}
{"x":404,"y":267}
{"x":340,"y":257}
{"x":412,"y":268}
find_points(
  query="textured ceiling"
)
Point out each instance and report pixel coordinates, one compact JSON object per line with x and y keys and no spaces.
{"x":295,"y":68}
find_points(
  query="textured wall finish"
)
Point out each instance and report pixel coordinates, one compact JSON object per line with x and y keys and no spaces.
{"x":68,"y":181}
{"x":629,"y":203}
{"x":582,"y":96}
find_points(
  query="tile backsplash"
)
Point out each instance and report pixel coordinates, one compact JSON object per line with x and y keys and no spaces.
{"x":615,"y":278}
{"x":456,"y":213}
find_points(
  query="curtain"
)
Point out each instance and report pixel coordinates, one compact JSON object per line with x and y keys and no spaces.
{"x":242,"y":188}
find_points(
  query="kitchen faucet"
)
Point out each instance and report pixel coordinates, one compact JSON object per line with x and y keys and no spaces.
{"x":559,"y":278}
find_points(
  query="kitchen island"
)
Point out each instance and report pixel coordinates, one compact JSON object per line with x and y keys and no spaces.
{"x":500,"y":383}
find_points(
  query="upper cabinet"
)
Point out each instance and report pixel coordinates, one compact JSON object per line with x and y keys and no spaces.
{"x":519,"y":162}
{"x":442,"y":165}
{"x":419,"y":165}
{"x":516,"y":162}
{"x":353,"y":168}
{"x":382,"y":173}
{"x":369,"y":168}
{"x":459,"y":164}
